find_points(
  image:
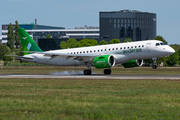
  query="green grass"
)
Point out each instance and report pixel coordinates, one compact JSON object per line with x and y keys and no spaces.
{"x":115,"y":70}
{"x":56,"y":99}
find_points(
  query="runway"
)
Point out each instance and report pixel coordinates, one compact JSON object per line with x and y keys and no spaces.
{"x":95,"y":76}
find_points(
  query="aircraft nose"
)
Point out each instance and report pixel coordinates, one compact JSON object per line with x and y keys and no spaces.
{"x":170,"y":51}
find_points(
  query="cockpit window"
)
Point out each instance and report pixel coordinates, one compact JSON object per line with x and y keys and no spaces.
{"x":162,"y":43}
{"x":157,"y":44}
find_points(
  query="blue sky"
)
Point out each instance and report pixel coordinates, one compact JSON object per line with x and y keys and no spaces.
{"x":77,"y":13}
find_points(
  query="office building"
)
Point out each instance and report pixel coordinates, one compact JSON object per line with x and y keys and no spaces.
{"x":127,"y":24}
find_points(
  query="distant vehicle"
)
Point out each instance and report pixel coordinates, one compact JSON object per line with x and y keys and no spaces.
{"x":103,"y":56}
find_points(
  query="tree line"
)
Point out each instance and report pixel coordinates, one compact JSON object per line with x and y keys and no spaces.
{"x":73,"y":43}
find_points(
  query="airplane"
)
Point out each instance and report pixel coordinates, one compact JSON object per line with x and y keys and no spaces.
{"x":130,"y":54}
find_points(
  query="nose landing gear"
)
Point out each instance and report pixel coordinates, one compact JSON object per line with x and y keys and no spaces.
{"x":154,"y":66}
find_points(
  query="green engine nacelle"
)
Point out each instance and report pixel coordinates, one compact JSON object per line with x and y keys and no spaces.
{"x":104,"y":61}
{"x":133,"y":63}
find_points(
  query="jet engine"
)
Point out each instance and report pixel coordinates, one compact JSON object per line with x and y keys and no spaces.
{"x":133,"y":63}
{"x":104,"y":61}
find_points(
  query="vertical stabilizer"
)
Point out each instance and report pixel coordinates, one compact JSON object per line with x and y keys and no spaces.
{"x":27,"y":42}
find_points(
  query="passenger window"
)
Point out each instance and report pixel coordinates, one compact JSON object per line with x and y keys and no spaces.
{"x":121,"y":48}
{"x":113,"y":49}
{"x":116,"y":48}
{"x":109,"y":49}
{"x":128,"y":47}
{"x":71,"y":53}
{"x":135,"y":46}
{"x":83,"y":51}
{"x":142,"y":45}
{"x":87,"y":51}
{"x":74,"y":53}
{"x":131,"y":46}
{"x":101,"y":49}
{"x":77,"y":52}
{"x":80,"y":52}
{"x":139,"y":46}
{"x":94,"y":50}
{"x":90,"y":51}
{"x":124,"y":47}
{"x":104,"y":49}
{"x":98,"y":50}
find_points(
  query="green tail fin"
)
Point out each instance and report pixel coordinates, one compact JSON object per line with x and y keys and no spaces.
{"x":27,"y":42}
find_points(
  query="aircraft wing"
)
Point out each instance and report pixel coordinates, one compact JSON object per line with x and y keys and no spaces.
{"x":54,"y":55}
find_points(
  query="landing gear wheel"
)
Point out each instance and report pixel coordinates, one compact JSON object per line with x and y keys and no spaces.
{"x":154,"y":66}
{"x":87,"y":72}
{"x":107,"y":71}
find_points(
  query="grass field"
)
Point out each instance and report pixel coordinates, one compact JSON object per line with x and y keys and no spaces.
{"x":56,"y":99}
{"x":115,"y":70}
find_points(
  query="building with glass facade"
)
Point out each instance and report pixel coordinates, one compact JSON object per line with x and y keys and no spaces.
{"x":127,"y":24}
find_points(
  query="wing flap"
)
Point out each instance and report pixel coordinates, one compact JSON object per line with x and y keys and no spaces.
{"x":54,"y":55}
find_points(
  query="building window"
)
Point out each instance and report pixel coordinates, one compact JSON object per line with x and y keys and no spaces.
{"x":121,"y":20}
{"x":114,"y":20}
{"x":114,"y":25}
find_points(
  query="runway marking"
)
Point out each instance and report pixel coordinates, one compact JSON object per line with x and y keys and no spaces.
{"x":97,"y":76}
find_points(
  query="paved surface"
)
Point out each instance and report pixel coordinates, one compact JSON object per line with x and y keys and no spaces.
{"x":96,"y":76}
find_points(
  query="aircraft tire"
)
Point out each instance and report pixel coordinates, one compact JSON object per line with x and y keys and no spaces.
{"x":107,"y":71}
{"x":87,"y":72}
{"x":154,"y":66}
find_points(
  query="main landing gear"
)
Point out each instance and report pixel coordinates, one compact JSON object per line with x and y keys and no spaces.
{"x":87,"y":72}
{"x":154,"y":66}
{"x":107,"y":71}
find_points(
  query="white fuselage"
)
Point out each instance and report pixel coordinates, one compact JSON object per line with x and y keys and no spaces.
{"x":122,"y":52}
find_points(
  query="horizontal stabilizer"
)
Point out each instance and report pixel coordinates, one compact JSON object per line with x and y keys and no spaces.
{"x":21,"y":57}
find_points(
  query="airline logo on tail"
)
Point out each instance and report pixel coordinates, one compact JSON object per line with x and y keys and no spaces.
{"x":29,"y":46}
{"x":24,"y":38}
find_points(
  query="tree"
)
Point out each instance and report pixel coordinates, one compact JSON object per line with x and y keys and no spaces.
{"x":10,"y":37}
{"x":3,"y":51}
{"x":103,"y":42}
{"x":160,"y":38}
{"x":114,"y":41}
{"x":17,"y":38}
{"x":48,"y":36}
{"x":87,"y":42}
{"x":71,"y":43}
{"x":179,"y":55}
{"x":172,"y":59}
{"x":63,"y":45}
{"x":127,"y":40}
